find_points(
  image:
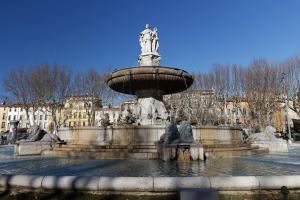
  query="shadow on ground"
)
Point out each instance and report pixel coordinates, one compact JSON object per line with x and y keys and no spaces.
{"x":76,"y":195}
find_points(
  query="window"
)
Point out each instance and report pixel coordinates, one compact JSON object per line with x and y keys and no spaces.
{"x":45,"y":117}
{"x":20,"y":117}
{"x":79,"y":115}
{"x":70,"y":124}
{"x":15,"y":109}
{"x":3,"y":125}
{"x":10,"y":109}
{"x":9,"y":117}
{"x":3,"y":117}
{"x":15,"y":117}
{"x":75,"y":115}
{"x":21,"y":109}
{"x":41,"y":117}
{"x":75,"y":124}
{"x":83,"y":123}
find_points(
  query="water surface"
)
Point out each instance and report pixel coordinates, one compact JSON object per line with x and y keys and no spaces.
{"x":268,"y":164}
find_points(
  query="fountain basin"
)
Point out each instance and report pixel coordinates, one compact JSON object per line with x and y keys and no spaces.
{"x":254,"y":165}
{"x":140,"y":142}
{"x":150,"y":81}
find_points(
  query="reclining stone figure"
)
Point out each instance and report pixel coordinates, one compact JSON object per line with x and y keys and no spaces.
{"x":35,"y":133}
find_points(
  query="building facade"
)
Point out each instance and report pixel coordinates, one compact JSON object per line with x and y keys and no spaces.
{"x":201,"y":106}
{"x":3,"y":118}
{"x":37,"y":116}
{"x":79,"y":111}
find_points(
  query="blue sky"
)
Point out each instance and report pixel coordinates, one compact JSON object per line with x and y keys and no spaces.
{"x":104,"y":33}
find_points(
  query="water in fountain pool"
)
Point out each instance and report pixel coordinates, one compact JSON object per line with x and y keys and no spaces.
{"x":269,"y":164}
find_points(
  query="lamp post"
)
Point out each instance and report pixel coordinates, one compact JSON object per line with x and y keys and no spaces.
{"x":287,"y":119}
{"x":286,"y":108}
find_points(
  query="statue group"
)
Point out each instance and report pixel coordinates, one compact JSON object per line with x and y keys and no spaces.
{"x":149,"y":45}
{"x":149,"y":41}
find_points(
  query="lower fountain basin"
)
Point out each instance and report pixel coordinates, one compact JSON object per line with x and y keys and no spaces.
{"x":283,"y":163}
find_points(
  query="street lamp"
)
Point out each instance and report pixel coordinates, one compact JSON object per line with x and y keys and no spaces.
{"x":286,"y":107}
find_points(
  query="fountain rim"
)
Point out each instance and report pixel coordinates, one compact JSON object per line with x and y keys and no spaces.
{"x":184,"y":72}
{"x":148,"y":66}
{"x":155,"y":75}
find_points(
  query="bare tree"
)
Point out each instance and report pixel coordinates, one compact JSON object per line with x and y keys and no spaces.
{"x":50,"y":87}
{"x":220,"y":75}
{"x":261,"y":90}
{"x":290,"y":70}
{"x":17,"y":84}
{"x":89,"y":86}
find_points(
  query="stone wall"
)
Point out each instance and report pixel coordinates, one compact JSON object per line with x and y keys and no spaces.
{"x":31,"y":148}
{"x":150,"y":184}
{"x":217,"y":134}
{"x":144,"y":135}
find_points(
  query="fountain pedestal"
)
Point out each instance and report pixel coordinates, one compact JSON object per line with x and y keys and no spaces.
{"x":150,"y":111}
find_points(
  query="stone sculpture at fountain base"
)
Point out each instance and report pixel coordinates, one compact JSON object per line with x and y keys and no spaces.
{"x":150,"y":111}
{"x":267,"y":139}
{"x":179,"y":144}
{"x":180,"y":152}
{"x":38,"y":140}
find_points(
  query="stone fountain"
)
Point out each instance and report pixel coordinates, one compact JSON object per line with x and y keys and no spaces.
{"x":150,"y":81}
{"x":148,"y":131}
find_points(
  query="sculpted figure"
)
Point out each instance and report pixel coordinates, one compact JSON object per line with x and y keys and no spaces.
{"x":155,"y":43}
{"x":146,"y":40}
{"x":186,"y":133}
{"x":155,"y":114}
{"x":105,"y":120}
{"x":127,"y":117}
{"x":149,"y":45}
{"x":171,"y":135}
{"x":35,"y":133}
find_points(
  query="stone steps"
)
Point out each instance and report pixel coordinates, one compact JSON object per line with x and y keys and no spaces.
{"x":75,"y":146}
{"x":101,"y":155}
{"x":108,"y":146}
{"x":146,"y":151}
{"x":91,"y":149}
{"x":104,"y":151}
{"x":230,"y":149}
{"x":261,"y":150}
{"x":225,"y":145}
{"x":243,"y":150}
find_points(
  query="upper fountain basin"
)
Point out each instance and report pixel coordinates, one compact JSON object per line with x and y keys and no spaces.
{"x":144,"y":80}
